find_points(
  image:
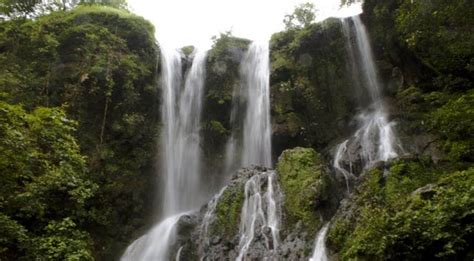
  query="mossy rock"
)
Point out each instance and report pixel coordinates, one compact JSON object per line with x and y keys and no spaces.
{"x":227,"y":212}
{"x":304,"y":184}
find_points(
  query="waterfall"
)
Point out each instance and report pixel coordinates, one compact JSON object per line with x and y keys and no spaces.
{"x":374,"y":139}
{"x":319,"y":253}
{"x":257,"y":128}
{"x":260,"y":213}
{"x":250,"y":144}
{"x":254,"y":139}
{"x":369,"y":75}
{"x":155,"y":244}
{"x":181,"y":152}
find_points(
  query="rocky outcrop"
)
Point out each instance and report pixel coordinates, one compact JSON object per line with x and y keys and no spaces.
{"x":222,"y":241}
{"x":222,"y":78}
{"x":311,"y":87}
{"x":305,"y":185}
{"x":305,"y":197}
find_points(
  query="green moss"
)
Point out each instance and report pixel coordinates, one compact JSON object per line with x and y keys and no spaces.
{"x":454,"y":121}
{"x":303,"y":184}
{"x":228,"y":211}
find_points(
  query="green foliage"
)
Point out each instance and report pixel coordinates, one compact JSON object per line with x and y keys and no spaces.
{"x":304,"y":185}
{"x":44,"y":181}
{"x":303,"y":15}
{"x":64,"y":242}
{"x":455,"y":122}
{"x":417,"y":212}
{"x":444,"y":114}
{"x":440,"y":33}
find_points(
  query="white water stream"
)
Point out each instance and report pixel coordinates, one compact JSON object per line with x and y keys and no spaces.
{"x":319,"y":253}
{"x":252,"y":145}
{"x":374,"y":139}
{"x":181,"y":152}
{"x":260,"y":212}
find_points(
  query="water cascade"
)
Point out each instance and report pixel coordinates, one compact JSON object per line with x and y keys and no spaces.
{"x":182,"y":141}
{"x":374,"y":139}
{"x":319,"y":253}
{"x":250,"y":144}
{"x":254,"y":144}
{"x":181,"y":113}
{"x":260,"y":213}
{"x":155,"y":244}
{"x":256,"y":90}
{"x":341,"y":149}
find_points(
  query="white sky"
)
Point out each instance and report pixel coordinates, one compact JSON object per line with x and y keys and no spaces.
{"x":193,"y":22}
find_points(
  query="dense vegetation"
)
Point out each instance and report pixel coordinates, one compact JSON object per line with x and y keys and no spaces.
{"x":418,"y":212}
{"x":79,"y":120}
{"x":45,"y":186}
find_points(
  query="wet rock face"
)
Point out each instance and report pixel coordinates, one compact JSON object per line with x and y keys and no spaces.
{"x":297,"y":245}
{"x":214,"y":233}
{"x":222,"y":238}
{"x":185,"y":245}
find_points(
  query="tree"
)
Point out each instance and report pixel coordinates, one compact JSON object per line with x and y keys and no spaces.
{"x":45,"y":186}
{"x":302,"y":16}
